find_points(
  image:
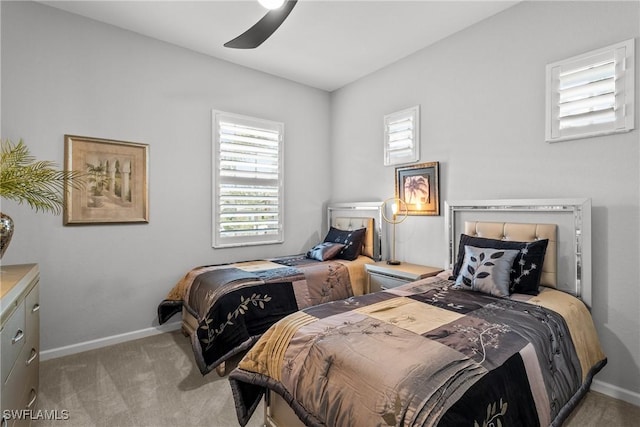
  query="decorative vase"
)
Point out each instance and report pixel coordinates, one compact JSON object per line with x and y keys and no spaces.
{"x":6,"y":232}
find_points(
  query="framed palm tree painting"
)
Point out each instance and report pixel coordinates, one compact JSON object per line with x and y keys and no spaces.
{"x":417,"y":186}
{"x":116,"y":181}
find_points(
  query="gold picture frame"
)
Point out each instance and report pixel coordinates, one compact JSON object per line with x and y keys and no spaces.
{"x":417,"y":185}
{"x":116,"y":181}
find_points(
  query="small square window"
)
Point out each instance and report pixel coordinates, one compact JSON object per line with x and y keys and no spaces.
{"x":402,"y":137}
{"x":591,"y":94}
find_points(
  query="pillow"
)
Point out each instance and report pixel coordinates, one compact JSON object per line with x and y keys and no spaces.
{"x":486,"y":270}
{"x":527,"y":267}
{"x":324,"y":251}
{"x":351,"y":239}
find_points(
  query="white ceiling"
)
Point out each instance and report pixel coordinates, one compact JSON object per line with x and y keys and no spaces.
{"x":323,"y":43}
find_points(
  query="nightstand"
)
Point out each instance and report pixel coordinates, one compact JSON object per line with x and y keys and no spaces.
{"x":384,"y":276}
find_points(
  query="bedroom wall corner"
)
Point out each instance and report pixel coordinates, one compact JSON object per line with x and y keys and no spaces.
{"x":66,"y":74}
{"x":482,"y":94}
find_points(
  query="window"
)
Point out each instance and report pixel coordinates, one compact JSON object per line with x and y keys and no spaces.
{"x":591,"y":94}
{"x":247,"y":181}
{"x":402,"y":137}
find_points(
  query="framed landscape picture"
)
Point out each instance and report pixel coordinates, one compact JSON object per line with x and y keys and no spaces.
{"x":116,"y":181}
{"x":417,"y":186}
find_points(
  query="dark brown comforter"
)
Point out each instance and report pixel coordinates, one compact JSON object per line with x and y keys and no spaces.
{"x":424,"y":355}
{"x":236,"y":303}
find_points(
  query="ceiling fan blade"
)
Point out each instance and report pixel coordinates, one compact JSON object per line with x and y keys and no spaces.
{"x":263,"y":29}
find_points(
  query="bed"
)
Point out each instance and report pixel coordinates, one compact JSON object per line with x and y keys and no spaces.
{"x":226,"y":307}
{"x":443,"y":351}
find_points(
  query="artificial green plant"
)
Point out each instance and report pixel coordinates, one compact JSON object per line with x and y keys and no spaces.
{"x":38,"y":183}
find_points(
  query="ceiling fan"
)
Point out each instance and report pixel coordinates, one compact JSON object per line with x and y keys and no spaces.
{"x":262,"y":30}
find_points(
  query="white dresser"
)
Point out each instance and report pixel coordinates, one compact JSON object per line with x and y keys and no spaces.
{"x":20,"y":342}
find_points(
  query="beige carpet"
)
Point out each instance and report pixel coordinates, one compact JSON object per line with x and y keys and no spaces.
{"x":599,"y":410}
{"x":154,"y":382}
{"x":148,"y":382}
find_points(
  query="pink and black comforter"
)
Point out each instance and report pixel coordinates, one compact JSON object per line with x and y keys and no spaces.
{"x":425,"y":354}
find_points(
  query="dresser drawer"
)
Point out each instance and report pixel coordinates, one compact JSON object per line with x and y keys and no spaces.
{"x":21,"y":388}
{"x":378,"y":282}
{"x":13,"y":391}
{"x":32,"y":321}
{"x":12,"y":339}
{"x":30,"y":395}
{"x":29,"y":400}
{"x":32,"y":309}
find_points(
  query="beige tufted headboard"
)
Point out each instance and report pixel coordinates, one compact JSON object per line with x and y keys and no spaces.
{"x":354,"y":215}
{"x":521,"y":232}
{"x":368,"y":245}
{"x":572,"y":218}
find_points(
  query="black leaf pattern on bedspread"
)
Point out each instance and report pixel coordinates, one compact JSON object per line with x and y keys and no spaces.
{"x":425,"y":354}
{"x":234,"y":306}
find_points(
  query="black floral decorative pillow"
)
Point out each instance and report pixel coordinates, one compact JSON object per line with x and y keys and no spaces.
{"x":325,"y":251}
{"x":351,"y":239}
{"x":527,"y":267}
{"x":486,"y":270}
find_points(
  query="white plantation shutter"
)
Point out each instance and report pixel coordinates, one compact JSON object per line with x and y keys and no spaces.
{"x":247,"y":194}
{"x":591,"y":94}
{"x":402,"y":137}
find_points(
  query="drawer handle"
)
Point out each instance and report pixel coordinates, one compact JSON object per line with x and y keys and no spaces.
{"x":34,"y":354}
{"x":35,"y":396}
{"x":18,"y":337}
{"x":36,"y":307}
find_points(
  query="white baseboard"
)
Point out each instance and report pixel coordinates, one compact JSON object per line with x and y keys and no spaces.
{"x":616,"y":392}
{"x":103,"y":342}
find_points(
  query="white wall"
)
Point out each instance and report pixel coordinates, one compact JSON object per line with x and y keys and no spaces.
{"x":482,"y":98}
{"x":482,"y":95}
{"x":64,"y":74}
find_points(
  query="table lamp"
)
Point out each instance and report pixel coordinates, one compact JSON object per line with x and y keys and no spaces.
{"x":399,"y":213}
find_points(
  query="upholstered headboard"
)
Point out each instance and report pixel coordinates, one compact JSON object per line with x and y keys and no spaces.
{"x":352,"y":216}
{"x":348,"y":223}
{"x":520,"y":232}
{"x":572,"y":218}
